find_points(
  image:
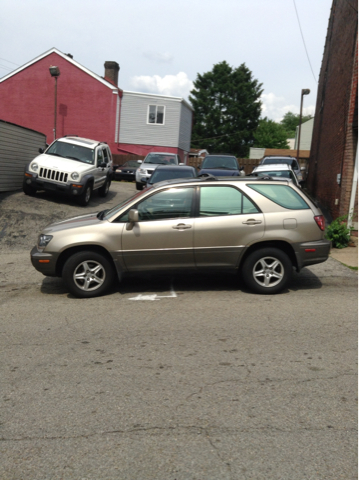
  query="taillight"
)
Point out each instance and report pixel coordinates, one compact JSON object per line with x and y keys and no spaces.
{"x":320,"y":221}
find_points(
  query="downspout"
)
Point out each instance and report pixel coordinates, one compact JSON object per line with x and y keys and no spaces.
{"x":120,"y":94}
{"x":353,"y":192}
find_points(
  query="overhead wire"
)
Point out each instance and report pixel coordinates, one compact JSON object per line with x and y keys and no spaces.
{"x":306,"y":51}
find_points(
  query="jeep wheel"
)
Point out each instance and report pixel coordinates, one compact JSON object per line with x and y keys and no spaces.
{"x":103,"y":191}
{"x":88,"y":274}
{"x":267,"y":270}
{"x":29,"y":190}
{"x":85,"y":196}
{"x":139,"y":186}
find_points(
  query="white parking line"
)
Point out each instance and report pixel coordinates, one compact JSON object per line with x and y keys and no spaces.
{"x":154,"y":297}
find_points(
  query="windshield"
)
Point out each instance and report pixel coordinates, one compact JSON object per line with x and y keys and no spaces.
{"x":162,"y":159}
{"x":227,"y":163}
{"x":161,"y":175}
{"x":74,"y":152}
{"x":119,"y":207}
{"x":287,"y":161}
{"x":131,"y":163}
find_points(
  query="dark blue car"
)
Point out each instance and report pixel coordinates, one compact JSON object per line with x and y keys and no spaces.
{"x":221,"y":166}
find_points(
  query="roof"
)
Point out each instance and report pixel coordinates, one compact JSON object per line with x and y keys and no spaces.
{"x":266,"y":167}
{"x":65,"y":57}
{"x":83,"y":142}
{"x":166,"y":97}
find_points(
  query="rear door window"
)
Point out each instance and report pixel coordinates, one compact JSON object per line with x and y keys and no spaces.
{"x":283,"y":195}
{"x":216,"y":201}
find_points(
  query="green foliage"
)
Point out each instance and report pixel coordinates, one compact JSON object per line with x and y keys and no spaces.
{"x":338,"y":232}
{"x":270,"y":134}
{"x":227,"y":107}
{"x":290,"y":122}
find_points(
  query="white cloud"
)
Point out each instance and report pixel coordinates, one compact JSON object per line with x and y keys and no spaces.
{"x":159,"y":57}
{"x":275,"y":107}
{"x":174,"y":85}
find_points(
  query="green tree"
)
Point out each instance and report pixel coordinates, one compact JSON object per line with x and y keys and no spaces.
{"x":270,"y":134}
{"x":227,"y":107}
{"x":290,"y":122}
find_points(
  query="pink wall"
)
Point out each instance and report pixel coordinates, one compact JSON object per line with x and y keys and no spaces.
{"x":85,"y":107}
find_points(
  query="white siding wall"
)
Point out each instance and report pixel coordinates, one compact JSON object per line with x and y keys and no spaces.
{"x":134,"y":127}
{"x":185,"y":128}
{"x":18,"y":146}
{"x":306,"y":133}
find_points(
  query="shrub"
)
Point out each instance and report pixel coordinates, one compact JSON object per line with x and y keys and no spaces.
{"x":338,"y":232}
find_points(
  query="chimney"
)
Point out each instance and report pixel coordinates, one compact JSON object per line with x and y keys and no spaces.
{"x":111,"y":72}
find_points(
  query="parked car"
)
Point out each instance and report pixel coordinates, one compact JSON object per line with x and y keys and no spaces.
{"x":168,"y":172}
{"x":149,"y":164}
{"x":261,"y":228}
{"x":220,"y":165}
{"x":73,"y":166}
{"x":127,"y":171}
{"x":287,"y":160}
{"x":281,"y":170}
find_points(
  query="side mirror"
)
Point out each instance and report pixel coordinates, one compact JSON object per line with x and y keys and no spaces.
{"x":302,"y":169}
{"x":144,"y":180}
{"x":181,"y":163}
{"x":41,"y":150}
{"x":139,"y":161}
{"x":103,"y":165}
{"x":132,"y":218}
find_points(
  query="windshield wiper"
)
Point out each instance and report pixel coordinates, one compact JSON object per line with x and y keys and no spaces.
{"x":74,"y":158}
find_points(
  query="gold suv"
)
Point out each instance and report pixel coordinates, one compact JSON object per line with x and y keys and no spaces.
{"x":260,"y":227}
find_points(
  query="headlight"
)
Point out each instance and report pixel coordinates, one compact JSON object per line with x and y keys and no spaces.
{"x":34,"y":167}
{"x":142,"y":170}
{"x":43,"y":241}
{"x":75,"y":176}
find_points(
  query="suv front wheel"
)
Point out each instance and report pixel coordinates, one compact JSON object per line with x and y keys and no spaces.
{"x":88,"y":274}
{"x":85,"y":196}
{"x":267,"y":270}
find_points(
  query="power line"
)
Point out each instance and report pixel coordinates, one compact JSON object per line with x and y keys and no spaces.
{"x":9,"y":62}
{"x":306,"y":51}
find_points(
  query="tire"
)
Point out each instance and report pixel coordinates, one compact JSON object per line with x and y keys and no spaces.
{"x":84,"y":198}
{"x":88,"y":274}
{"x":103,"y":191}
{"x":139,"y":186}
{"x":29,"y":190}
{"x":267,"y":271}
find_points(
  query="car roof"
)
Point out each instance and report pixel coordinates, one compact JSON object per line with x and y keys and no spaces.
{"x":220,"y":155}
{"x":211,"y":179}
{"x":161,"y":153}
{"x":275,"y":166}
{"x":175,"y":167}
{"x":83,"y":142}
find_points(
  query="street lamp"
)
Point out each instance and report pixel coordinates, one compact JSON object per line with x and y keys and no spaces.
{"x":305,"y":91}
{"x":55,"y":72}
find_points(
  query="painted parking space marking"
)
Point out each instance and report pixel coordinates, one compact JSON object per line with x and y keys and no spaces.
{"x":154,"y":296}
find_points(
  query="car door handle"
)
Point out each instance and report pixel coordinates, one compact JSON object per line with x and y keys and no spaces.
{"x":182,"y":226}
{"x":251,"y":221}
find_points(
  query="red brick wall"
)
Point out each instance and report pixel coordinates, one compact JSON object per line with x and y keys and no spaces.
{"x":85,"y":106}
{"x":334,"y":135}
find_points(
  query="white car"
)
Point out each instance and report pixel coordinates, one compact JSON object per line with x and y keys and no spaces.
{"x":73,"y":166}
{"x":281,"y":170}
{"x":151,"y":161}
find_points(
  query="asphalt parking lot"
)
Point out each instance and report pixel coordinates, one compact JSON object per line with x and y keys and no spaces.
{"x":172,"y":378}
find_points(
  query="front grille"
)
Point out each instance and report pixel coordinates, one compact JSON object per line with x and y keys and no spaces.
{"x":55,"y":175}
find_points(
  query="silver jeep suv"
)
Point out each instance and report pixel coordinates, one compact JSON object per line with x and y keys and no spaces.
{"x":260,"y":227}
{"x":73,"y":166}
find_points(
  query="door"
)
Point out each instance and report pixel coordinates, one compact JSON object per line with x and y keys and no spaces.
{"x":227,"y":221}
{"x":163,"y":236}
{"x":100,"y":173}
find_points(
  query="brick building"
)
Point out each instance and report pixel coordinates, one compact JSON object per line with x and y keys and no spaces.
{"x":333,"y":165}
{"x":92,"y":106}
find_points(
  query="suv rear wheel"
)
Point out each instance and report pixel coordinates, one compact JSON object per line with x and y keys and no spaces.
{"x":88,"y":274}
{"x":267,"y":270}
{"x":103,"y":191}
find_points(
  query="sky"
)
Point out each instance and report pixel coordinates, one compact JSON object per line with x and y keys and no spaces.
{"x":162,"y":45}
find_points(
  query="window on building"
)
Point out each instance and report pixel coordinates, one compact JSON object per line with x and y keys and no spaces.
{"x":156,"y":114}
